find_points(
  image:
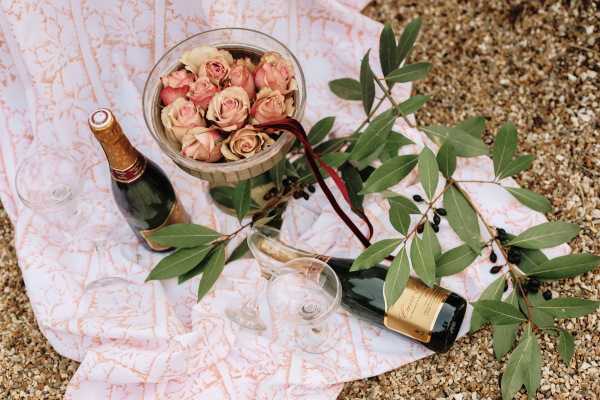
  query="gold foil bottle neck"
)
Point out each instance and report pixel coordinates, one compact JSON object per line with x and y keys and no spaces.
{"x":121,"y":155}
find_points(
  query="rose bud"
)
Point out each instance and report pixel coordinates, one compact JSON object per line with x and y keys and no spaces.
{"x":201,"y":91}
{"x":245,"y":143}
{"x":271,"y":105}
{"x":208,"y":61}
{"x":229,"y":108}
{"x":241,"y":75}
{"x":169,"y":94}
{"x":202,"y":144}
{"x":177,"y":79}
{"x":274,"y":72}
{"x":180,"y":117}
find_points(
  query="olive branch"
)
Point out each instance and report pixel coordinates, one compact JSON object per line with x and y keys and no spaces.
{"x":518,"y":259}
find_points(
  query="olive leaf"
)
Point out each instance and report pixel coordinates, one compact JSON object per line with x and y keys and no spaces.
{"x":178,"y":263}
{"x":531,"y":199}
{"x":566,"y":346}
{"x":504,"y":147}
{"x":498,"y":312}
{"x":320,"y":130}
{"x":536,"y":314}
{"x":504,"y":335}
{"x":474,"y":126}
{"x":464,"y":144}
{"x":431,"y":242}
{"x":422,"y":260}
{"x":455,"y":260}
{"x":523,"y":368}
{"x":399,"y":218}
{"x":396,"y":278}
{"x":412,"y":104}
{"x":462,"y":218}
{"x":374,"y":136}
{"x":404,"y":203}
{"x":388,"y":55}
{"x":390,"y":173}
{"x":567,"y":307}
{"x":354,"y":183}
{"x":212,"y":271}
{"x":398,"y":139}
{"x":446,"y":159}
{"x":565,"y":266}
{"x":531,"y":260}
{"x":184,"y":235}
{"x":240,"y":251}
{"x":517,"y":165}
{"x":241,"y":198}
{"x":409,"y":73}
{"x":492,"y":292}
{"x":428,"y":172}
{"x":367,"y":83}
{"x":346,"y":88}
{"x":545,"y":235}
{"x":408,"y":38}
{"x":375,"y":253}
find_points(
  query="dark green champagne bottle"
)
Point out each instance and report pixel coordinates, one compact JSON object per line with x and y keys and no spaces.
{"x":141,"y":189}
{"x":432,"y":316}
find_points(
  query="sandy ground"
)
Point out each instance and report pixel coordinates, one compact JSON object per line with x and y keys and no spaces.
{"x":536,"y":63}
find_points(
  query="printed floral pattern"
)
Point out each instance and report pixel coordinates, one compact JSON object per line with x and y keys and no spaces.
{"x":60,"y":60}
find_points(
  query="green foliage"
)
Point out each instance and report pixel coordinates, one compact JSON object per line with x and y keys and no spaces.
{"x":408,"y":39}
{"x":517,"y":165}
{"x":412,"y":104}
{"x":389,"y":57}
{"x":569,"y":307}
{"x":428,"y":172}
{"x":474,"y":126}
{"x":178,"y":263}
{"x":531,"y":199}
{"x":465,"y":145}
{"x":396,"y":278}
{"x":241,"y":199}
{"x":374,"y":136}
{"x":390,"y":173}
{"x":462,"y":218}
{"x":320,"y":130}
{"x":504,"y":147}
{"x":354,"y":183}
{"x":409,"y":73}
{"x":346,"y":88}
{"x":455,"y":260}
{"x":523,"y":367}
{"x":422,"y":259}
{"x":402,"y":202}
{"x":492,"y":292}
{"x":375,"y":253}
{"x":399,"y":218}
{"x":446,"y":159}
{"x":184,"y":235}
{"x":212,"y":270}
{"x":367,"y":84}
{"x":566,"y":346}
{"x":498,"y":312}
{"x":565,"y":266}
{"x":545,"y":235}
{"x":504,"y":335}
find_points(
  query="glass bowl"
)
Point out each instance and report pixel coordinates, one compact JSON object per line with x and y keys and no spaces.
{"x":232,"y":39}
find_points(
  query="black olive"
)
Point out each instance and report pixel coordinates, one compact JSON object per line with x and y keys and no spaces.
{"x":417,"y":198}
{"x":547,"y":295}
{"x":311,"y":188}
{"x":436,"y":219}
{"x":514,"y":256}
{"x":441,"y":211}
{"x":493,"y":257}
{"x":420,"y":228}
{"x":496,"y":269}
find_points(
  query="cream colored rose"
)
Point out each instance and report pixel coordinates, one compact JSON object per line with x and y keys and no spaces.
{"x":180,"y":117}
{"x":202,"y":144}
{"x":208,"y":61}
{"x":245,"y":143}
{"x":271,"y":105}
{"x":177,"y":79}
{"x":229,"y":108}
{"x":274,"y":72}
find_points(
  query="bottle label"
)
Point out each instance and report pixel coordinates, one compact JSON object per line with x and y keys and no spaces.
{"x":416,"y":310}
{"x":178,"y":215}
{"x":131,"y":173}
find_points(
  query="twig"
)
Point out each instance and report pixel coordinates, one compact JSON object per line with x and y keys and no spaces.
{"x":393,"y":101}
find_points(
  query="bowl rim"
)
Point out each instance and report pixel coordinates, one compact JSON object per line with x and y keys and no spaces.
{"x":229,"y":165}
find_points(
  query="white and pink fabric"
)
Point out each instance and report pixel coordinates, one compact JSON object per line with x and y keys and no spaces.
{"x":61,"y":59}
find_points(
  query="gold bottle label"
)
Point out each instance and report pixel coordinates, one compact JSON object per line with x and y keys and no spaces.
{"x":416,"y":310}
{"x":177,"y":215}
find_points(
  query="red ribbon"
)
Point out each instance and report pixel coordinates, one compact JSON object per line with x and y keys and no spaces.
{"x":293,"y":126}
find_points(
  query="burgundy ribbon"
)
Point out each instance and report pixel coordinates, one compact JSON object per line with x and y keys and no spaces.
{"x":293,"y":126}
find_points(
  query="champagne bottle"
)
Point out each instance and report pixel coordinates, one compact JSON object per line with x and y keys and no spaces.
{"x":431,"y":315}
{"x":140,"y":188}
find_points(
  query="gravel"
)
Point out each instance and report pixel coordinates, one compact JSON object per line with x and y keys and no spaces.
{"x":536,"y":63}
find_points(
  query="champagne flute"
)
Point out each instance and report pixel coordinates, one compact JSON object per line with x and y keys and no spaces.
{"x":248,"y":314}
{"x":306,"y":295}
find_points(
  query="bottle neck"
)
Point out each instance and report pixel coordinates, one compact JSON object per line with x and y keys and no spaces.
{"x":283,"y":253}
{"x":125,"y":162}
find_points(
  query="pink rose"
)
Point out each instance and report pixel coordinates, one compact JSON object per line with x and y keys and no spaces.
{"x":202,"y":144}
{"x":241,"y":75}
{"x":274,"y":72}
{"x":229,"y":108}
{"x":208,"y":61}
{"x":169,"y":94}
{"x":271,"y":105}
{"x":201,"y":91}
{"x":180,"y":117}
{"x":245,"y":143}
{"x":177,"y":79}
